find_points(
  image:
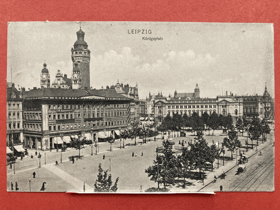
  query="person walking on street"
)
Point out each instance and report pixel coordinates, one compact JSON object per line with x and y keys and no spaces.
{"x":142,"y":154}
{"x":17,"y":186}
{"x":135,"y":154}
{"x":12,"y":186}
{"x":103,"y":157}
{"x":43,"y":187}
{"x":34,"y":174}
{"x":73,"y":160}
{"x":132,"y":154}
{"x":221,"y":188}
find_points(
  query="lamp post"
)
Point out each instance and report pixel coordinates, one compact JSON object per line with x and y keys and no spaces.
{"x":29,"y":184}
{"x":91,"y":142}
{"x":61,"y":136}
{"x":45,"y":159}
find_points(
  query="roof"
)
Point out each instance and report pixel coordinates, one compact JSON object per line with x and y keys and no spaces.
{"x":12,"y":93}
{"x":186,"y":95}
{"x":77,"y":93}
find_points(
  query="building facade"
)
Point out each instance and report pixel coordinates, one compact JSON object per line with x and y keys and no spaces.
{"x":51,"y":113}
{"x":14,"y":134}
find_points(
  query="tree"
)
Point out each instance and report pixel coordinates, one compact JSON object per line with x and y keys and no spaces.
{"x":124,"y":135}
{"x":78,"y":144}
{"x":164,"y":168}
{"x":205,"y":118}
{"x":255,"y":130}
{"x":213,"y":121}
{"x":265,"y":129}
{"x":104,"y":182}
{"x":232,"y":142}
{"x":196,"y":122}
{"x":227,"y":122}
{"x":135,"y":131}
{"x":186,"y":120}
{"x":239,"y":125}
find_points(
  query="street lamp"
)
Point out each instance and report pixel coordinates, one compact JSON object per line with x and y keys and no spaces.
{"x":29,"y":184}
{"x":91,"y":142}
{"x":61,"y":136}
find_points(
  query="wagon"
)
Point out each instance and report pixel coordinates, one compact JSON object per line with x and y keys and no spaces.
{"x":241,"y":168}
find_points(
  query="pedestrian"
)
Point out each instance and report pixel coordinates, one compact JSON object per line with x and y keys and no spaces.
{"x":179,"y":142}
{"x":21,"y":156}
{"x":104,"y":157}
{"x":43,"y":186}
{"x":73,"y":160}
{"x":135,"y":154}
{"x":142,"y":154}
{"x":36,"y":153}
{"x":56,"y":163}
{"x":12,"y":186}
{"x":11,"y":167}
{"x":132,"y":154}
{"x":17,"y":186}
{"x":34,"y":174}
{"x":221,"y":188}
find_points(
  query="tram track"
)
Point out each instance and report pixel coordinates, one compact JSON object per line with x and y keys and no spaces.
{"x":251,"y":179}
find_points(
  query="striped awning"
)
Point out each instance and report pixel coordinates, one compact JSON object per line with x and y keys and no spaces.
{"x":19,"y":148}
{"x":88,"y":136}
{"x":8,"y":151}
{"x":103,"y":135}
{"x":57,"y":140}
{"x":66,"y":139}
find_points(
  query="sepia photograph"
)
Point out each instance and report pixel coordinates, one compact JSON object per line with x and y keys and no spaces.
{"x":140,"y":107}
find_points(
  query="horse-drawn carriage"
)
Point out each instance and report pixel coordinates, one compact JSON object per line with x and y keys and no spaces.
{"x":241,"y":168}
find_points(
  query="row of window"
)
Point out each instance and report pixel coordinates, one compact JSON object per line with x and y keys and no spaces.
{"x":16,"y":115}
{"x":89,"y":106}
{"x":14,"y":126}
{"x":32,"y":116}
{"x":208,"y":101}
{"x":13,"y":105}
{"x":86,"y":124}
{"x":86,"y":115}
{"x":191,"y":106}
{"x":190,"y":112}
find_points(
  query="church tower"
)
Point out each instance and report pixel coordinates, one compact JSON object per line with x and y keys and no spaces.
{"x":81,"y":59}
{"x":196,"y":92}
{"x":45,"y":77}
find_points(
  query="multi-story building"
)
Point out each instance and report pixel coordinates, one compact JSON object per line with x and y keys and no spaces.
{"x":51,"y":113}
{"x":14,"y":116}
{"x":230,"y":105}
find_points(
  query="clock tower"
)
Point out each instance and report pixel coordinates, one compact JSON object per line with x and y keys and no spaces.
{"x":80,"y":59}
{"x":45,"y":77}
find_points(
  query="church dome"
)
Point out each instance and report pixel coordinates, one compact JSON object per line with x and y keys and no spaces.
{"x":45,"y":70}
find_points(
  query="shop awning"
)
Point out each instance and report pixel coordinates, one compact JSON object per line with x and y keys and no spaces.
{"x":19,"y":148}
{"x":146,"y":118}
{"x":57,"y":140}
{"x":142,"y":118}
{"x":151,"y":118}
{"x":88,"y":136}
{"x":117,"y":132}
{"x":8,"y":151}
{"x":67,"y":139}
{"x":74,"y":136}
{"x":103,"y":135}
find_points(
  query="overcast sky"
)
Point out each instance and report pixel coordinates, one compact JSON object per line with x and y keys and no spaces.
{"x":219,"y":57}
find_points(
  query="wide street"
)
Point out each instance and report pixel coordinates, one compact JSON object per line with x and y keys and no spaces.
{"x":131,"y":170}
